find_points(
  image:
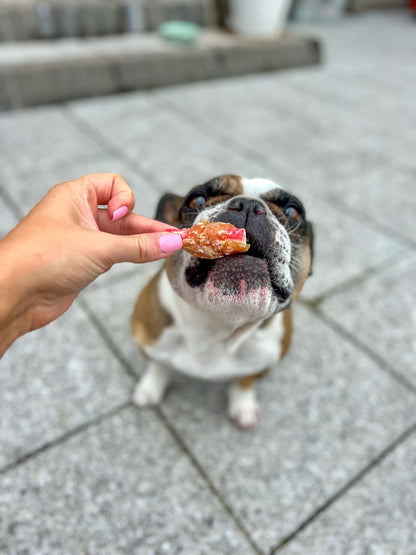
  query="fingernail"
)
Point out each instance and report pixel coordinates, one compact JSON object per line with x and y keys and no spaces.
{"x":170,"y":242}
{"x":119,"y":213}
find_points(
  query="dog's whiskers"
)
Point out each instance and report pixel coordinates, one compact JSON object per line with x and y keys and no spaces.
{"x":292,"y":230}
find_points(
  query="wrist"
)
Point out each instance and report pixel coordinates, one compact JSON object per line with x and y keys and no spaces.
{"x":14,"y":295}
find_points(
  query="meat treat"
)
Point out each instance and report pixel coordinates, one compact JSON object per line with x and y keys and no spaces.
{"x":214,"y":239}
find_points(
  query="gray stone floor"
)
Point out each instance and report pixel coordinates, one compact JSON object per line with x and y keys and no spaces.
{"x":330,"y":468}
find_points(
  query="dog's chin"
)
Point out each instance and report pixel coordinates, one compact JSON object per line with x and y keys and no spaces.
{"x":238,"y":288}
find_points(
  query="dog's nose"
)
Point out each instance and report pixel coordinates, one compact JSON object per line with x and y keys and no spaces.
{"x":248,"y":205}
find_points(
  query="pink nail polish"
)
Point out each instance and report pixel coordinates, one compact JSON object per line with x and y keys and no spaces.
{"x":119,"y":213}
{"x":170,"y":242}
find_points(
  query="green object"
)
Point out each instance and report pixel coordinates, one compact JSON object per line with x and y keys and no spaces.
{"x":180,"y":31}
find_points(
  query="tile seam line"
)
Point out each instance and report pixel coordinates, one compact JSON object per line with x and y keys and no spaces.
{"x":325,"y":96}
{"x":111,"y":345}
{"x":253,"y":154}
{"x":359,"y":476}
{"x":170,"y":428}
{"x":338,"y":201}
{"x":95,"y":421}
{"x":216,"y":133}
{"x":82,"y":125}
{"x":181,"y":443}
{"x":205,"y":477}
{"x":357,"y":344}
{"x":360,"y":279}
{"x":191,"y":120}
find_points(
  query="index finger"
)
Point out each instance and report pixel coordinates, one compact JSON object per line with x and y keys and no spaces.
{"x":133,"y":224}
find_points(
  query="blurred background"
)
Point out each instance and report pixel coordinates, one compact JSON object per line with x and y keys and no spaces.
{"x":57,"y":50}
{"x":318,"y":95}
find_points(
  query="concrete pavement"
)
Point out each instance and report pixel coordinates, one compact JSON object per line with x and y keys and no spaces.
{"x":330,"y":467}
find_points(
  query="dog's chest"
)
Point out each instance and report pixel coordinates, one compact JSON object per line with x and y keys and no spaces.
{"x":201,"y":352}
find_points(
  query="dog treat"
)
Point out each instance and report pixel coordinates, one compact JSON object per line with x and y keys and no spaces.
{"x":214,"y":239}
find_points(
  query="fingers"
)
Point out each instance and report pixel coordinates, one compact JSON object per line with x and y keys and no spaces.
{"x":112,"y":190}
{"x":127,"y":237}
{"x":131,"y":224}
{"x":146,"y":247}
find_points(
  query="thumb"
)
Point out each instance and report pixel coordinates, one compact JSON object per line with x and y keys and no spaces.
{"x":145,"y":247}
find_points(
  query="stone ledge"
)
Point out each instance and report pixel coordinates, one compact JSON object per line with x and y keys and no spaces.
{"x":33,"y":73}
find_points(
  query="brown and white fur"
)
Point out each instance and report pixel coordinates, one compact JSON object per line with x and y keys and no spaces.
{"x":229,"y":318}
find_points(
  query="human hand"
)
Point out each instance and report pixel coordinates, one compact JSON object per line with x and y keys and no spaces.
{"x":66,"y":242}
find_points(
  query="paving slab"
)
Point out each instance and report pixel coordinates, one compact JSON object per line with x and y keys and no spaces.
{"x":125,"y":290}
{"x":26,"y":190}
{"x":259,"y":101}
{"x":381,"y":313}
{"x":345,"y":247}
{"x":376,"y":516}
{"x":360,"y":126}
{"x":366,"y":195}
{"x":54,"y":380}
{"x":249,"y":104}
{"x":176,"y":152}
{"x":120,"y":486}
{"x":42,"y":140}
{"x":292,"y":130}
{"x":7,"y":220}
{"x":344,"y":101}
{"x":325,"y":415}
{"x":356,"y":88}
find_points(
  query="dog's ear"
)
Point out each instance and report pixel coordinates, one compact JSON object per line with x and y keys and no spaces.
{"x":168,"y":209}
{"x":311,"y":243}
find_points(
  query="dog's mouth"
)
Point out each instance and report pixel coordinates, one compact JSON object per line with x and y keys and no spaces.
{"x":239,"y":276}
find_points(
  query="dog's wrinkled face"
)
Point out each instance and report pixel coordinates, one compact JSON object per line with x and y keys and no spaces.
{"x":254,"y":285}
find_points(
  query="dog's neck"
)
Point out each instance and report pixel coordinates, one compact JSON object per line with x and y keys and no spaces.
{"x":213,"y":327}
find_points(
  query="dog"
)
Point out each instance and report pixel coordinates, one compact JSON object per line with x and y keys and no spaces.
{"x":228,"y":318}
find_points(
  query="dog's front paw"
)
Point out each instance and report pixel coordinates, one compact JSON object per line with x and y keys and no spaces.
{"x":145,"y":396}
{"x":242,"y":406}
{"x":150,"y":390}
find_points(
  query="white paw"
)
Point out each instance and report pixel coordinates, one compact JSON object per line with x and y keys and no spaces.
{"x":151,"y":388}
{"x":243,"y":407}
{"x":145,"y":396}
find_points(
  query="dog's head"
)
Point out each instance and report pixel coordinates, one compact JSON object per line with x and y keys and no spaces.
{"x":245,"y":287}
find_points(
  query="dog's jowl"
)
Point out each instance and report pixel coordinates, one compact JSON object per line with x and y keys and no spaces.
{"x":228,"y":318}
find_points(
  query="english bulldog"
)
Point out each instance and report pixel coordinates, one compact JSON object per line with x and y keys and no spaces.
{"x":228,"y":318}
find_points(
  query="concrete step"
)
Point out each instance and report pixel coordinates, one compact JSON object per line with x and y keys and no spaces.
{"x":40,"y":72}
{"x":22,"y":20}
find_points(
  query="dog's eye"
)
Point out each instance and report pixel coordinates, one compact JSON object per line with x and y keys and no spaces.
{"x":197,"y":202}
{"x":292,"y":213}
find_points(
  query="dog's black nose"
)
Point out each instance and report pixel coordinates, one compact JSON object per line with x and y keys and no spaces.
{"x":247,"y":205}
